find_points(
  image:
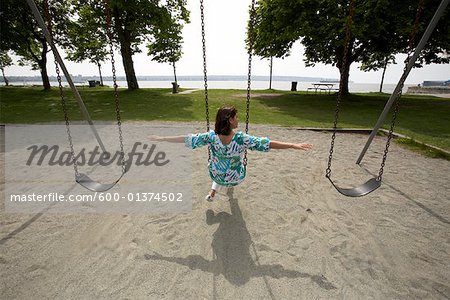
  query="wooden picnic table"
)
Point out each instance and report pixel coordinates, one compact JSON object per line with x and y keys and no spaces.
{"x":322,"y":87}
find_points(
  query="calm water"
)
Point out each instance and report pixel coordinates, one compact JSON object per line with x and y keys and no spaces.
{"x":256,"y":85}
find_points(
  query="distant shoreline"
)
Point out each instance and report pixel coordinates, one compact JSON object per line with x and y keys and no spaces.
{"x":286,"y":85}
{"x":82,"y":79}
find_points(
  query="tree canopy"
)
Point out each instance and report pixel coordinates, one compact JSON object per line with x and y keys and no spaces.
{"x":381,"y":28}
{"x":5,"y":61}
{"x":134,"y":22}
{"x":165,"y":47}
{"x":21,"y":34}
{"x":84,"y":39}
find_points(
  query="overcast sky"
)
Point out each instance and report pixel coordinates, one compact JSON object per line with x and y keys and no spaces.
{"x":225,"y":33}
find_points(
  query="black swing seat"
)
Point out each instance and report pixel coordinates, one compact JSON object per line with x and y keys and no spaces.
{"x":362,"y":190}
{"x":92,"y":185}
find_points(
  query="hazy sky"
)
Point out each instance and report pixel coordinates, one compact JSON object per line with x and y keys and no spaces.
{"x":225,"y":33}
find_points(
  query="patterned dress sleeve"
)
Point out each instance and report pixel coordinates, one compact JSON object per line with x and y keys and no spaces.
{"x":197,"y":140}
{"x":256,"y":143}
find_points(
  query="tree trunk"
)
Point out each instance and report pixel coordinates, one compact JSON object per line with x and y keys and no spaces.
{"x":125,"y":49}
{"x":100,"y":73}
{"x":44,"y":76}
{"x":175,"y":73}
{"x":271,"y":64}
{"x":345,"y":70}
{"x":127,"y":59}
{"x":343,"y":84}
{"x":4,"y":77}
{"x":382,"y":76}
{"x":43,"y":66}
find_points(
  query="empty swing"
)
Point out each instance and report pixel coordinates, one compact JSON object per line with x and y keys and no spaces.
{"x":82,"y":179}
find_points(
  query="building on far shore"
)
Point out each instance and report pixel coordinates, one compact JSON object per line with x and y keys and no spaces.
{"x":436,"y":83}
{"x":430,"y":87}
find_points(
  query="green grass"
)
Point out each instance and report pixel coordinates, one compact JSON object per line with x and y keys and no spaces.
{"x":423,"y":118}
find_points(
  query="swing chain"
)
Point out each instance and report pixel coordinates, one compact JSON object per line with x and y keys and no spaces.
{"x":63,"y":100}
{"x":251,"y":25}
{"x":391,"y":129}
{"x":348,"y":33}
{"x":114,"y":77}
{"x":249,"y":77}
{"x":61,"y":93}
{"x":205,"y":76}
{"x":66,"y":118}
{"x":402,"y":80}
{"x":415,"y":29}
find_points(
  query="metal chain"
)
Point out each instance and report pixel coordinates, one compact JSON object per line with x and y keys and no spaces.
{"x":391,"y":130}
{"x":61,"y":92}
{"x":348,"y":33}
{"x":419,"y":11}
{"x":116,"y":94}
{"x":66,"y":118}
{"x":249,"y":77}
{"x":205,"y":76}
{"x":63,"y":101}
{"x":397,"y":97}
{"x":402,"y":82}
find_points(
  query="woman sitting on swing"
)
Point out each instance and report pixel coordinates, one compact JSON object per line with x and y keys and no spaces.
{"x":226,"y":167}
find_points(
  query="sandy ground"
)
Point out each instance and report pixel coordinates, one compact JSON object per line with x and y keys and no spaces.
{"x":285,"y":233}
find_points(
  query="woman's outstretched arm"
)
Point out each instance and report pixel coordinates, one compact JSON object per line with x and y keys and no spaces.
{"x":172,"y":139}
{"x":282,"y":145}
{"x":190,"y":140}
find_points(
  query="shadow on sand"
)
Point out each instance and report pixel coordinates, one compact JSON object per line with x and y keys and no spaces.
{"x":231,"y":253}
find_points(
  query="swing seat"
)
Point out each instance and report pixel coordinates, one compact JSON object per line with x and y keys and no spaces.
{"x":92,"y":185}
{"x":86,"y":182}
{"x":362,"y":190}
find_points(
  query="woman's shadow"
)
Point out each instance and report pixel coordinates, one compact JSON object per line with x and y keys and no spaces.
{"x":231,"y":252}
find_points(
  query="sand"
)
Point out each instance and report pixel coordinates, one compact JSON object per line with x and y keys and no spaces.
{"x":285,"y":233}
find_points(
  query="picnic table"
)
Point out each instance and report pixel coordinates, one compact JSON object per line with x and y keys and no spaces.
{"x":323,"y":87}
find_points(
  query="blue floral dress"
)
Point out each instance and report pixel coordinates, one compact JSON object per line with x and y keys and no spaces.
{"x":226,"y":166}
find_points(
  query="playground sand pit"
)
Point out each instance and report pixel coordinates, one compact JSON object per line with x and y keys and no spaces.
{"x":284,"y":233}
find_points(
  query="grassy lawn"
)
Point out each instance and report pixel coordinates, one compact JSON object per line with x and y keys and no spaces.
{"x":423,"y":118}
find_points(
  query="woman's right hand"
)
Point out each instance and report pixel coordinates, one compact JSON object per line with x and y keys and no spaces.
{"x":155,"y":138}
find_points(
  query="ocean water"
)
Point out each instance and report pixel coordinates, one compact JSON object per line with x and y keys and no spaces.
{"x":255,"y":85}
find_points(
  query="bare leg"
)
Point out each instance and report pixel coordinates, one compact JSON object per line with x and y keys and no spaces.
{"x":213,"y":191}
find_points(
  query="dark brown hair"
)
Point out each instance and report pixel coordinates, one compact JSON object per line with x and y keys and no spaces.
{"x":223,"y":119}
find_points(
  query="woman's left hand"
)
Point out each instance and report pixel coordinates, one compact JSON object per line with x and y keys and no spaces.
{"x":302,"y":146}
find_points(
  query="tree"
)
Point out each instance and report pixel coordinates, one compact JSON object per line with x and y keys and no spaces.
{"x":84,"y":40}
{"x":272,"y":37}
{"x":133,"y":22}
{"x":378,"y":64}
{"x":267,"y":41}
{"x":22,"y":35}
{"x":270,"y":77}
{"x":380,"y":29}
{"x":166,"y":46}
{"x":411,"y":26}
{"x":5,"y":61}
